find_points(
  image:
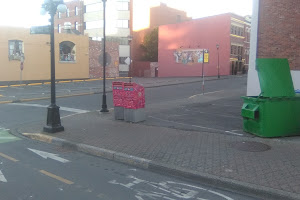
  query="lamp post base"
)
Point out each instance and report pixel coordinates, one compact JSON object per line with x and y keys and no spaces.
{"x":104,"y":105}
{"x":53,"y":120}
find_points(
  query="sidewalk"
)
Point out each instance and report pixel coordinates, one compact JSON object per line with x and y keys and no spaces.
{"x":267,"y":168}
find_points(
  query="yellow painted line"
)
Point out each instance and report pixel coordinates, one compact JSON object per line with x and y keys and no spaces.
{"x":92,"y":79}
{"x":110,"y":78}
{"x":64,"y":81}
{"x":8,"y":157}
{"x":1,"y":95}
{"x":39,"y":137}
{"x":4,"y":86}
{"x":34,"y":99}
{"x":47,"y":83}
{"x":35,"y":84}
{"x":56,"y":177}
{"x":4,"y":102}
{"x":15,"y":85}
{"x":78,"y":80}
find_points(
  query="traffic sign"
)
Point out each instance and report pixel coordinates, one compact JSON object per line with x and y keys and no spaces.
{"x":108,"y":59}
{"x":40,"y":29}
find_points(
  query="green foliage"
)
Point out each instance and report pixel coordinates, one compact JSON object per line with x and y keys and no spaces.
{"x":150,"y":46}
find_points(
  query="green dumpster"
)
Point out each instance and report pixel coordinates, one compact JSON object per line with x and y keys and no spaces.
{"x":276,"y":111}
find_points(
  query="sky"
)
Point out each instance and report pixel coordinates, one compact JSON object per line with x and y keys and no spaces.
{"x":26,"y":13}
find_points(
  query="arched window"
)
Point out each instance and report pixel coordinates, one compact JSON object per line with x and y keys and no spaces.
{"x":67,"y":51}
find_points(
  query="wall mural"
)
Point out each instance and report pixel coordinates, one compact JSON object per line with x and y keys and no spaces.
{"x":188,"y":56}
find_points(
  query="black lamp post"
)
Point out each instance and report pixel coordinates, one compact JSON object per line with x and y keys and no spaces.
{"x":218,"y":46}
{"x":104,"y":105}
{"x":53,"y":116}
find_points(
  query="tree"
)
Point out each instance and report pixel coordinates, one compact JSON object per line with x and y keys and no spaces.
{"x":150,"y":46}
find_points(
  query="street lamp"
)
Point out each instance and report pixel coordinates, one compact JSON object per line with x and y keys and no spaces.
{"x":104,"y":105}
{"x":53,"y":116}
{"x":218,"y":46}
{"x":129,"y":37}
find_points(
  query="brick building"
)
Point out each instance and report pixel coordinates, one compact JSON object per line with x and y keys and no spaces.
{"x":275,"y":34}
{"x":73,"y":16}
{"x":181,"y":46}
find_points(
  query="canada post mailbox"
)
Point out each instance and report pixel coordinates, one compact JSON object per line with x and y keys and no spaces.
{"x":134,"y":96}
{"x":118,"y":90}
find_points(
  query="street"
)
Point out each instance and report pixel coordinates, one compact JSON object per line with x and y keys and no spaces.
{"x":34,"y":170}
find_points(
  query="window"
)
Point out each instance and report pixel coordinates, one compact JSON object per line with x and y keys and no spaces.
{"x":59,"y":15}
{"x":67,"y":51}
{"x":76,"y":10}
{"x":68,"y":12}
{"x":76,"y":25}
{"x":93,"y":7}
{"x":122,"y":23}
{"x":94,"y":24}
{"x":15,"y":49}
{"x":122,"y":5}
{"x":59,"y":28}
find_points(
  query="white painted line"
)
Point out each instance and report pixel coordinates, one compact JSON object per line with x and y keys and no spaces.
{"x":233,"y":133}
{"x":205,"y":93}
{"x":213,"y":129}
{"x":2,"y":178}
{"x":44,"y":106}
{"x":46,"y":155}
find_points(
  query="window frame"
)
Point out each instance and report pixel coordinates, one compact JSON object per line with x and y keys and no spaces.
{"x":11,"y":54}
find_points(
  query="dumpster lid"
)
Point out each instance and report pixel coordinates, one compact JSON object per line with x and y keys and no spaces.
{"x":275,"y":77}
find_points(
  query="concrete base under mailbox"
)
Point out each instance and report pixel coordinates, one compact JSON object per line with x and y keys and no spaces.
{"x":134,"y":115}
{"x":119,"y":113}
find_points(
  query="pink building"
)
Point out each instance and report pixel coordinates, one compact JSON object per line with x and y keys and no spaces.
{"x":180,"y":48}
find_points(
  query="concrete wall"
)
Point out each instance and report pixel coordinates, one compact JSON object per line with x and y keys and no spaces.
{"x":37,"y":56}
{"x":196,"y":34}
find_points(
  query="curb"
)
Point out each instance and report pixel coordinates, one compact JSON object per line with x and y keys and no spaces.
{"x":108,"y":91}
{"x":208,"y":179}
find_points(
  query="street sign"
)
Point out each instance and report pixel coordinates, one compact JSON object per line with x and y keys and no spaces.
{"x":127,"y":61}
{"x":40,"y":29}
{"x":206,"y":57}
{"x":108,"y":59}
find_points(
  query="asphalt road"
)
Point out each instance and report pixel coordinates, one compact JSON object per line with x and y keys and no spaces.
{"x":30,"y":176}
{"x":32,"y":170}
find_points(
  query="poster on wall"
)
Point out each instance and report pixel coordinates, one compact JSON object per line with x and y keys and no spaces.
{"x":188,"y":56}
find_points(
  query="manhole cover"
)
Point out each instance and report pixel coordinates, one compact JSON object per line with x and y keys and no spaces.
{"x":251,"y":146}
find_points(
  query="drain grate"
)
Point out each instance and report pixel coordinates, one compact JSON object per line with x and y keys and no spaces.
{"x":250,"y":146}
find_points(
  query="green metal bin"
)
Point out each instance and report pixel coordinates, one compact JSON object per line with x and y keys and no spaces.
{"x":276,"y":112}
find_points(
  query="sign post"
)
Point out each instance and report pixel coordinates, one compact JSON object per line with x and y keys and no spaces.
{"x":205,"y":59}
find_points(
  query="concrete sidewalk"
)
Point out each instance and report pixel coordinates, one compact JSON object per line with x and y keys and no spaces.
{"x":265,"y":168}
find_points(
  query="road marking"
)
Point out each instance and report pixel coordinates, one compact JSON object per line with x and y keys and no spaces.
{"x":1,"y":95}
{"x":8,"y":157}
{"x":64,"y":81}
{"x":56,"y":177}
{"x":166,"y":190}
{"x":233,"y":133}
{"x":213,"y":129}
{"x":46,"y":155}
{"x":3,"y":86}
{"x":47,"y":83}
{"x":78,"y":80}
{"x":44,"y":106}
{"x":205,"y":93}
{"x":35,"y":84}
{"x":2,"y":178}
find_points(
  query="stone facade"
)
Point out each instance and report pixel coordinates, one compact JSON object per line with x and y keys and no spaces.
{"x":96,"y":69}
{"x":279,"y":33}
